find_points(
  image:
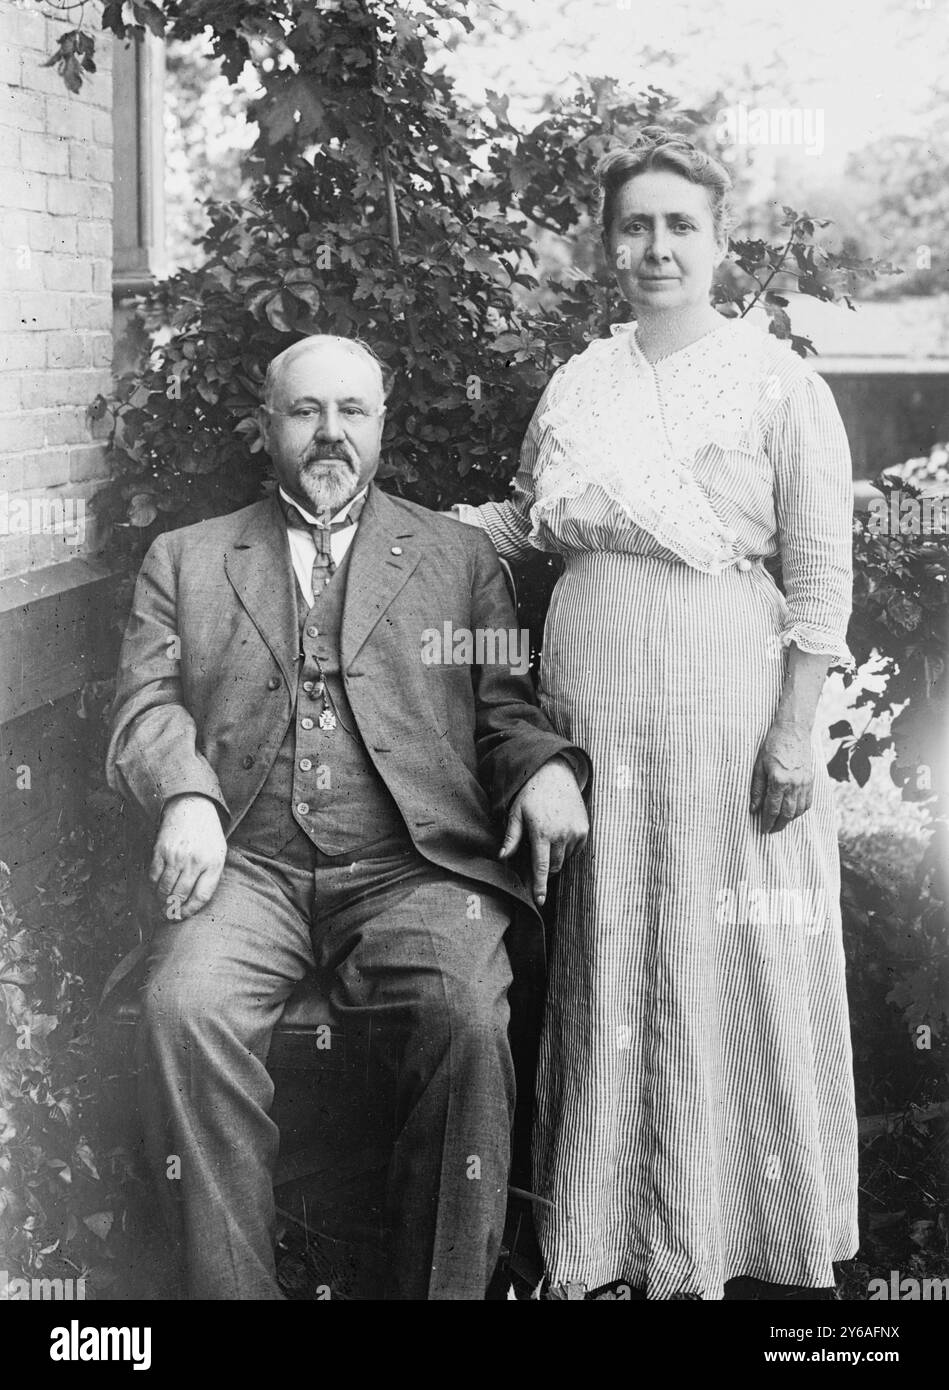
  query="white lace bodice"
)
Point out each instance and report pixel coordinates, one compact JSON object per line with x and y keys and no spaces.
{"x":729,"y":449}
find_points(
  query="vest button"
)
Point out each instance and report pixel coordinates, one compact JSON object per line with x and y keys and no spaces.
{"x":305,"y":764}
{"x":306,"y":723}
{"x":273,"y":683}
{"x":303,"y":808}
{"x":248,"y":761}
{"x":308,"y":687}
{"x":312,"y":631}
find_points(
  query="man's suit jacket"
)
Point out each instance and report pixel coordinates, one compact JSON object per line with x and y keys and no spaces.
{"x":208,"y":676}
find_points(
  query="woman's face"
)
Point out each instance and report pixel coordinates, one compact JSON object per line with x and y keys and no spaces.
{"x":662,"y":245}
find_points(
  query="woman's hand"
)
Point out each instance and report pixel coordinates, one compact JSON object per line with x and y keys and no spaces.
{"x":782,"y":784}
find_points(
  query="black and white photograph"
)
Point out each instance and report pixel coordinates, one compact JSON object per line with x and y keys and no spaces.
{"x":474,"y":547}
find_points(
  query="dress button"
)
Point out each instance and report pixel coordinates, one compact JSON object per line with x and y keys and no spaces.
{"x":744,"y":565}
{"x":248,"y":761}
{"x":305,"y":764}
{"x":306,"y":723}
{"x":396,"y":550}
{"x":273,"y":683}
{"x":303,"y":808}
{"x":312,"y":631}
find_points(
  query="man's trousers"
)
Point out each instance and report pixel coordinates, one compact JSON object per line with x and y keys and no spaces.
{"x":407,"y":946}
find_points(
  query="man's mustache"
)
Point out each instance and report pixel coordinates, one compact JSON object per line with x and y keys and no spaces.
{"x":318,"y":453}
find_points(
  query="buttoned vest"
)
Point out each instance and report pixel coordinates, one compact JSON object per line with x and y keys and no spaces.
{"x":322,"y":789}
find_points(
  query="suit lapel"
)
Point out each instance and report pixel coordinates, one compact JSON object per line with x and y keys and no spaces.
{"x":259,"y":567}
{"x":384,"y":554}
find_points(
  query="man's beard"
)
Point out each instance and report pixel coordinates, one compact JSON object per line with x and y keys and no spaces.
{"x":328,"y":483}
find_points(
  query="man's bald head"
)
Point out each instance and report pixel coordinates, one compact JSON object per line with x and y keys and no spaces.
{"x":322,"y":343}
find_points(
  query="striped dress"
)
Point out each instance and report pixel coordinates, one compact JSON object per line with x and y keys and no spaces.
{"x":695,"y":1113}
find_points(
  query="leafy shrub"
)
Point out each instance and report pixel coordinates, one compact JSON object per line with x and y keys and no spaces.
{"x":62,"y":1183}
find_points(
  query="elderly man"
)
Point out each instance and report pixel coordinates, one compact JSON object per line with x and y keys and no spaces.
{"x":324,"y":796}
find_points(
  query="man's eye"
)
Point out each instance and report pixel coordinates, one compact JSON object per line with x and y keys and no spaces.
{"x":304,"y":414}
{"x":353,"y":410}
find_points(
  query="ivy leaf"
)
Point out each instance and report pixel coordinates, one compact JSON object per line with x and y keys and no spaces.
{"x":308,"y":295}
{"x":86,"y":1159}
{"x":839,"y":765}
{"x":293,"y":109}
{"x":278,"y":311}
{"x":99,"y":1223}
{"x":507,"y":342}
{"x":779,"y":320}
{"x":142,"y":510}
{"x":840,"y":729}
{"x":149,"y":15}
{"x":903,"y":611}
{"x":860,"y":768}
{"x":483,"y":263}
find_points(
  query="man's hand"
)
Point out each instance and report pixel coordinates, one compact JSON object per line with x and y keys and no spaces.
{"x":551,"y":810}
{"x":782,"y":784}
{"x":188,"y":856}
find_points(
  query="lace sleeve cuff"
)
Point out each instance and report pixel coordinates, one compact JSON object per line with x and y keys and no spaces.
{"x":818,"y":641}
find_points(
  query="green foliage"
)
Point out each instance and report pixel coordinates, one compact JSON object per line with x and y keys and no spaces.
{"x":62,"y":1183}
{"x":901,"y":611}
{"x":906,"y":183}
{"x":72,"y":57}
{"x":386,"y":208}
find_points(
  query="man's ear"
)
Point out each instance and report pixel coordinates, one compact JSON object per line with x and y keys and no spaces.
{"x":263,"y":420}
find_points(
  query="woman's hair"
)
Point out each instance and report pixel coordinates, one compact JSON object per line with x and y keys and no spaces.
{"x":656,"y":148}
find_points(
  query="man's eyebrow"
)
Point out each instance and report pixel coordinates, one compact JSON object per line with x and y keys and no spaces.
{"x":315,"y":400}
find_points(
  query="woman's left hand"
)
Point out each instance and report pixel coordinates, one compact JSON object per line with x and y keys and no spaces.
{"x":782,"y":784}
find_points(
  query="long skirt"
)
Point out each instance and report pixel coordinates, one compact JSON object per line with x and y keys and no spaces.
{"x":695,"y":1113}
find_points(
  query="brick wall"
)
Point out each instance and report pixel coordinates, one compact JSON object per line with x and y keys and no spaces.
{"x":55,"y":290}
{"x":55,"y":357}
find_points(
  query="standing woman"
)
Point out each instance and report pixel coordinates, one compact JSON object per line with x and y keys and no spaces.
{"x":695,"y":1111}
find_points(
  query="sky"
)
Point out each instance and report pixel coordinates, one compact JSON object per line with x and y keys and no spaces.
{"x":867,"y":66}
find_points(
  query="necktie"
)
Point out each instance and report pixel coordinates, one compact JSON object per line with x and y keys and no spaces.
{"x":324,"y":567}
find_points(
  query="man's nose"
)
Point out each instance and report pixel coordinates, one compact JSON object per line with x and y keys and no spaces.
{"x":331,"y":424}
